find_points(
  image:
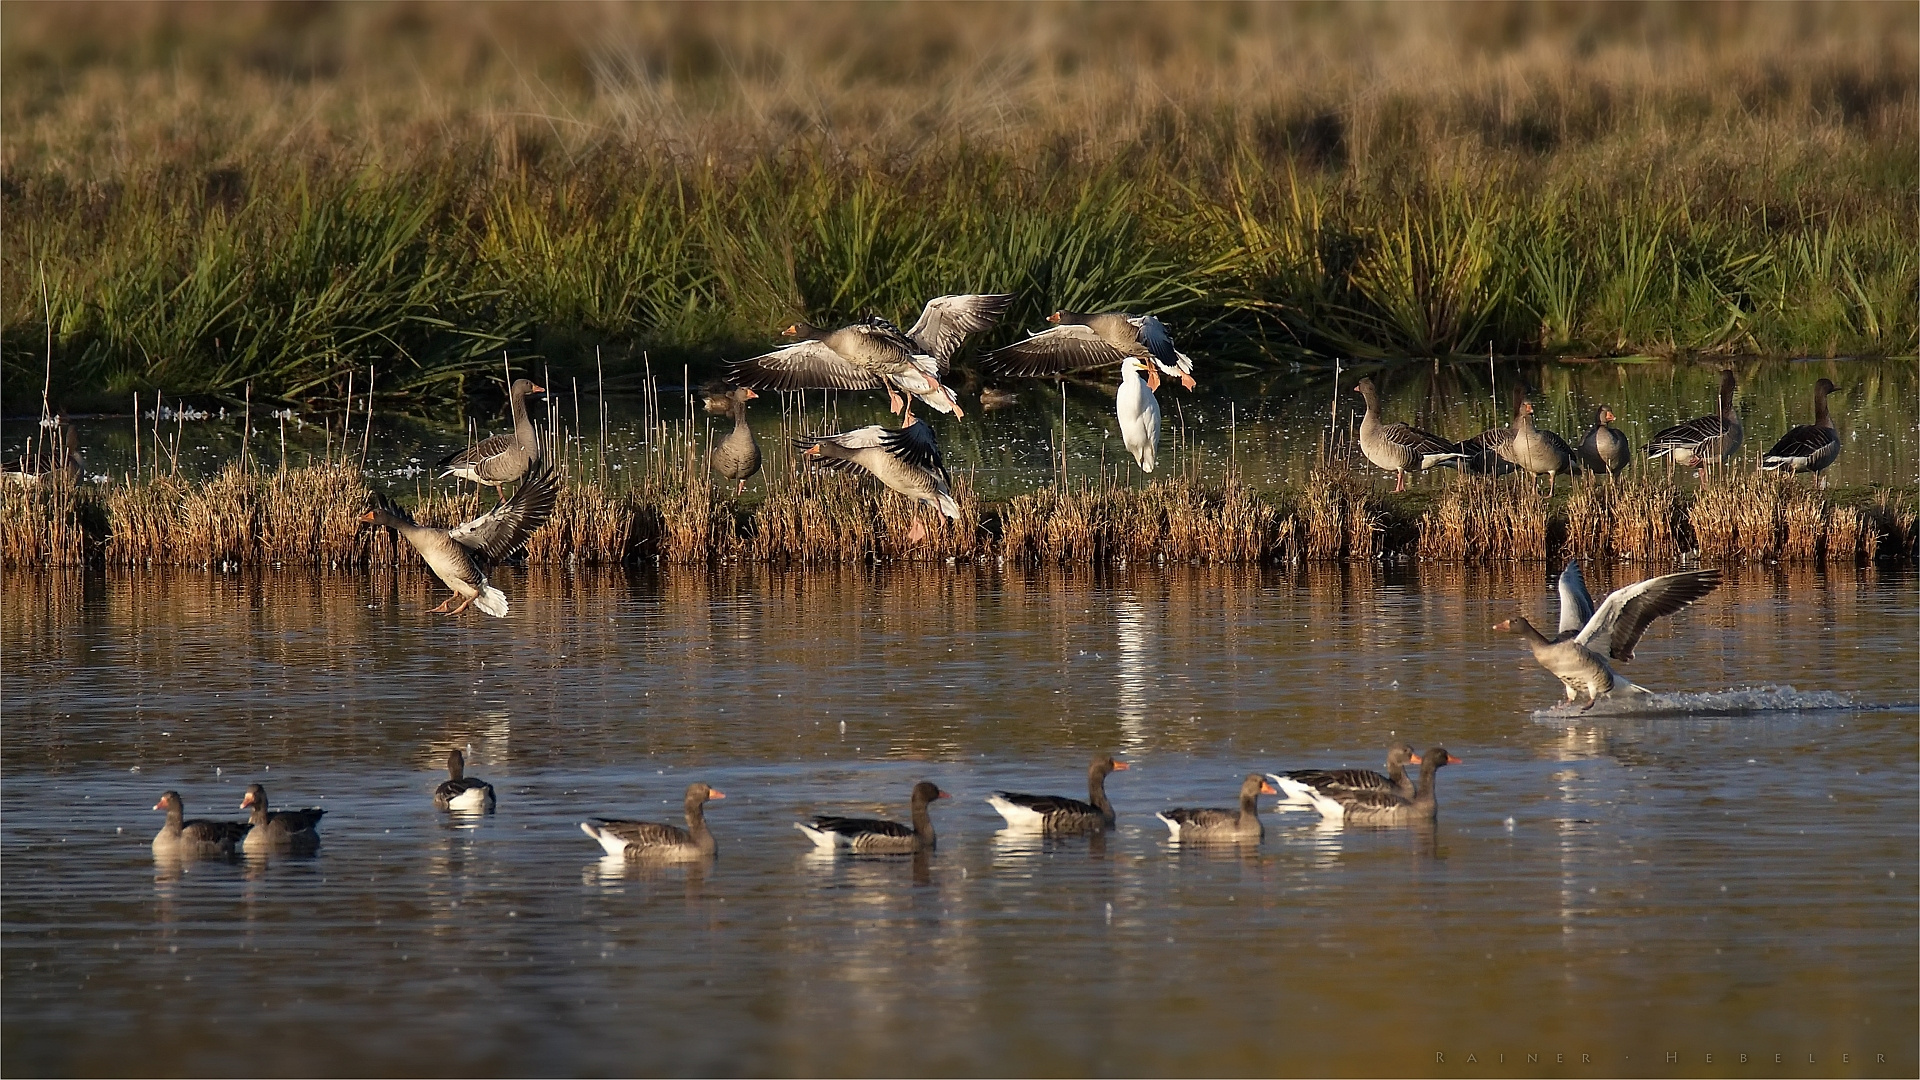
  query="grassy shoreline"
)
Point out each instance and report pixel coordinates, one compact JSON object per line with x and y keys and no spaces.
{"x":198,"y":199}
{"x":310,"y":517}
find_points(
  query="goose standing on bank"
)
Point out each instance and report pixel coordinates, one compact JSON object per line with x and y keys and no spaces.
{"x":656,"y":841}
{"x":1201,"y":825}
{"x":1809,"y":447}
{"x":297,"y":831}
{"x":1059,"y":814}
{"x":1079,"y":342}
{"x":502,"y":459}
{"x":460,"y":791}
{"x":1353,"y":806}
{"x":1299,"y":787}
{"x":1482,"y":453}
{"x":876,"y":836}
{"x":736,"y":457}
{"x":1616,"y":626}
{"x":1398,"y":448}
{"x":1605,"y":450}
{"x":461,"y":555}
{"x":1138,"y":411}
{"x":184,"y":839}
{"x":1534,"y":450}
{"x":907,"y":460}
{"x":1704,"y":440}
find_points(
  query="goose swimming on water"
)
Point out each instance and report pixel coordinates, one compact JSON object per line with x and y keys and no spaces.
{"x":1299,"y":787}
{"x":1191,"y":825}
{"x":1059,"y":814}
{"x":875,"y":835}
{"x":655,"y":841}
{"x":1368,"y":806}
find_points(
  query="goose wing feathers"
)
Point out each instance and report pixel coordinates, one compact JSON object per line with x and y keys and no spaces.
{"x":946,"y":322}
{"x":1420,"y":442}
{"x":498,"y":532}
{"x":854,"y":827}
{"x":1692,"y":433}
{"x":478,"y":452}
{"x":808,"y":365}
{"x":1326,"y":780}
{"x":1048,"y":805}
{"x":645,"y":833}
{"x":1154,"y":335}
{"x":1576,"y":607}
{"x":916,"y":445}
{"x":1801,"y":442}
{"x":1203,"y":818}
{"x":1059,"y":350}
{"x":1626,"y":613}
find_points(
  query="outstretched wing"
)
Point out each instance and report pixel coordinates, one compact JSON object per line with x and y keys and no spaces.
{"x":498,"y":532}
{"x":1060,"y":350}
{"x":1626,"y":613}
{"x":916,"y":445}
{"x":1576,"y":607}
{"x":1154,"y":335}
{"x":807,"y":365}
{"x":947,"y":320}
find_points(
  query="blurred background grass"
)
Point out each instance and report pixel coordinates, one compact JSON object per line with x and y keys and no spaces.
{"x":196,"y":196}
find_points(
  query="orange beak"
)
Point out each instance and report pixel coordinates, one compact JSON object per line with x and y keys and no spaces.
{"x":1415,"y":759}
{"x":368,"y":516}
{"x":1503,"y":624}
{"x":811,"y":451}
{"x":1054,"y":318}
{"x":792,"y":330}
{"x":1606,"y":416}
{"x":1267,"y":789}
{"x":713,"y":793}
{"x":944,"y":795}
{"x":246,"y":802}
{"x":538,"y":390}
{"x":161,"y":805}
{"x":1454,"y":760}
{"x":1121,"y":766}
{"x":748,"y":390}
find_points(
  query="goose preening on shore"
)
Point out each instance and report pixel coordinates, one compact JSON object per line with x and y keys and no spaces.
{"x":1535,"y":450}
{"x":1605,"y":449}
{"x":1809,"y":447}
{"x":502,"y":459}
{"x":1369,"y":806}
{"x":1704,"y":440}
{"x":1400,"y":448}
{"x":876,"y":836}
{"x":1139,"y":412}
{"x":460,"y":791}
{"x":1080,"y":341}
{"x":906,"y":460}
{"x":1190,"y":825}
{"x":736,"y":457}
{"x":1300,"y":787}
{"x":460,"y":556}
{"x":297,"y":831}
{"x":875,"y":354}
{"x":182,"y":839}
{"x":1057,"y":813}
{"x":1589,"y":636}
{"x":656,"y":841}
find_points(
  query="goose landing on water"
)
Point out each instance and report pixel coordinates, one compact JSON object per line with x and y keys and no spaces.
{"x":1620,"y":621}
{"x":461,"y":555}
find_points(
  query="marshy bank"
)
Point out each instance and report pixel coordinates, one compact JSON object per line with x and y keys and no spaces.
{"x":310,"y":516}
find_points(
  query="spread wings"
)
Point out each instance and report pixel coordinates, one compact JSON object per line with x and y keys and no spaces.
{"x":1626,"y":613}
{"x":498,"y":532}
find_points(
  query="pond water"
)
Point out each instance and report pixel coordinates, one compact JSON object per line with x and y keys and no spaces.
{"x":1269,"y":428}
{"x":1600,"y":891}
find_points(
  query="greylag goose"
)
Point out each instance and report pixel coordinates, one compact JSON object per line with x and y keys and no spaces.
{"x":652,"y":840}
{"x":1370,"y":807}
{"x":906,"y":459}
{"x":502,"y":459}
{"x":1809,"y":447}
{"x":1534,"y":450}
{"x":1080,"y":341}
{"x":1605,"y":450}
{"x":947,"y":321}
{"x":1298,"y":787}
{"x":1138,"y":411}
{"x":1191,"y":825}
{"x":1398,"y":448}
{"x":736,"y":457}
{"x":460,"y":791}
{"x":874,"y":836}
{"x":66,"y":464}
{"x":1059,"y":814}
{"x":1620,"y":621}
{"x":1704,"y":440}
{"x":461,"y":555}
{"x":1483,"y":453}
{"x":279,"y":830}
{"x":181,"y":838}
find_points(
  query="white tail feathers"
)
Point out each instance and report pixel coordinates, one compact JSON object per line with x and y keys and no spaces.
{"x":820,"y":837}
{"x":949,"y":507}
{"x":492,"y":601}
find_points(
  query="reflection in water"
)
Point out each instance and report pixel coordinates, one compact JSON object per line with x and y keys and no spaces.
{"x":1133,"y":672}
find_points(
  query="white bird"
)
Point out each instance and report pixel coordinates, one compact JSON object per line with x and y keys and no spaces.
{"x":1139,"y":411}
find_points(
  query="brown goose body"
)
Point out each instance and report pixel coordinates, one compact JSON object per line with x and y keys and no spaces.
{"x":906,"y":460}
{"x":1080,"y":341}
{"x":1298,"y":786}
{"x":1704,"y":440}
{"x":461,"y":556}
{"x":181,"y":838}
{"x":1059,"y":814}
{"x":460,"y":791}
{"x":502,"y":459}
{"x":1809,"y":447}
{"x":296,"y":831}
{"x":736,"y":457}
{"x":1370,"y":807}
{"x":1534,"y":450}
{"x":1400,"y":448}
{"x":1209,"y":825}
{"x":1579,"y":658}
{"x":875,"y":835}
{"x":656,"y":841}
{"x":1605,"y":450}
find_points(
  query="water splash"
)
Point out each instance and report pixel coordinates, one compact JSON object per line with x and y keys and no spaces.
{"x":1743,"y":701}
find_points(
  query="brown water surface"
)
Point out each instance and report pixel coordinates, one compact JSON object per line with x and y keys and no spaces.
{"x":1735,"y":876}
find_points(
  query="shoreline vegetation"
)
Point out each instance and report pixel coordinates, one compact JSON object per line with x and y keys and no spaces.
{"x":260,"y":199}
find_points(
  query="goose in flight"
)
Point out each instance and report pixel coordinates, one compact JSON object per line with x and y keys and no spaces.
{"x":1588,"y":636}
{"x":461,"y":555}
{"x":1078,"y":342}
{"x":1809,"y":447}
{"x":905,"y":459}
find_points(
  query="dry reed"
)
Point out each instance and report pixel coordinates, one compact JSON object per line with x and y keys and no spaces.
{"x":1482,"y":520}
